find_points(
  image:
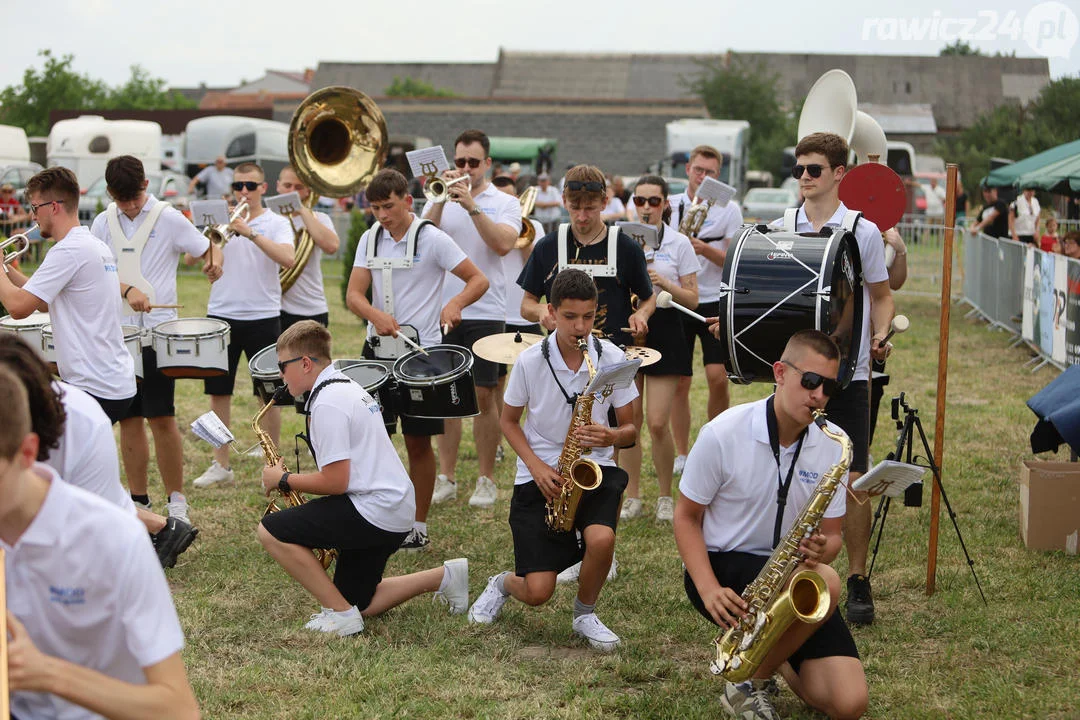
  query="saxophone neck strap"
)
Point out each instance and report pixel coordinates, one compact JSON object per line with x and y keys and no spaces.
{"x":782,"y":484}
{"x":307,"y":412}
{"x":545,"y":350}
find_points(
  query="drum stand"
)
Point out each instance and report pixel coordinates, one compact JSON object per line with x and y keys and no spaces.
{"x":905,"y":441}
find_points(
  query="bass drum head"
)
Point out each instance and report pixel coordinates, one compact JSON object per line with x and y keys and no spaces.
{"x":266,"y":376}
{"x":778,"y":283}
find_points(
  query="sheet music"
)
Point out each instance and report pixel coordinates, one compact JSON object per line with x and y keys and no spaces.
{"x":889,"y":477}
{"x":209,"y":427}
{"x":286,"y":205}
{"x":427,"y":161}
{"x":613,"y":377}
{"x":209,"y":212}
{"x":645,"y":235}
{"x":712,"y":189}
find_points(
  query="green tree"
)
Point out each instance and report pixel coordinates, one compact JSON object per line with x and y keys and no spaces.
{"x":736,"y":89}
{"x":411,"y":87}
{"x":142,"y":92}
{"x":960,"y":47}
{"x":357,"y":227}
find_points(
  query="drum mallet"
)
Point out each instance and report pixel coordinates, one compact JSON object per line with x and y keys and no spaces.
{"x":664,"y":300}
{"x":900,"y":324}
{"x":409,"y":341}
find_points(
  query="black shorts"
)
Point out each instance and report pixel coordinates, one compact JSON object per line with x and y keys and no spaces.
{"x":736,"y":570}
{"x":248,"y":337}
{"x":485,"y":372}
{"x":155,"y":395}
{"x":538,"y":548}
{"x":712,"y":350}
{"x":850,"y":409}
{"x":115,"y":409}
{"x":418,"y":427}
{"x":533,"y":329}
{"x":667,"y":334}
{"x":879,"y":379}
{"x":333,"y":522}
{"x":288,"y":319}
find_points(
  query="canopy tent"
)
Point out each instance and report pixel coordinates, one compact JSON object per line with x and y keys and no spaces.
{"x":1061,"y":177}
{"x":1010,"y":175}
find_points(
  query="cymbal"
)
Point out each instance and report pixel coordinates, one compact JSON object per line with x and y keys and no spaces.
{"x":504,"y":347}
{"x":647,"y":356}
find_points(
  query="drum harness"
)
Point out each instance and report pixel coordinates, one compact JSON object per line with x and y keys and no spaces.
{"x":387,"y":265}
{"x":608,"y":269}
{"x":129,"y":255}
{"x":306,"y":435}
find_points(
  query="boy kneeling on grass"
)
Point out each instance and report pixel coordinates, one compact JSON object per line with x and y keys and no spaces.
{"x":546,"y":380}
{"x":367,"y":502}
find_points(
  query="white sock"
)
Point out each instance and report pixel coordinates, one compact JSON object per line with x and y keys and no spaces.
{"x":351,"y":612}
{"x":420,"y":526}
{"x":177,"y":497}
{"x":499,"y":583}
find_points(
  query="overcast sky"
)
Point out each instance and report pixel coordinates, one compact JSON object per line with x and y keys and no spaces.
{"x":222,"y":43}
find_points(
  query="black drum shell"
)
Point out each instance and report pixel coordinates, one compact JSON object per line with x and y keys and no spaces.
{"x":266,"y":376}
{"x":436,"y":385}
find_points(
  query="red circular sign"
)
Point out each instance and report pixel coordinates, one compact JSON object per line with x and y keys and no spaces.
{"x":876,"y":191}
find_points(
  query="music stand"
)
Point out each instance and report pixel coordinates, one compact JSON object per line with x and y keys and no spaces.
{"x":905,"y":441}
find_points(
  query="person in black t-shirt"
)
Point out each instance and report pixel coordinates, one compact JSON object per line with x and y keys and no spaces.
{"x":993,"y":219}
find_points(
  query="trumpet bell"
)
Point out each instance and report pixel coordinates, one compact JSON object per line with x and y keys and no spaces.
{"x":528,"y":232}
{"x":437,"y":190}
{"x":20,"y":239}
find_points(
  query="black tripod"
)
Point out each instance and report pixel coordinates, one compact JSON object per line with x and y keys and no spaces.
{"x":904,"y":452}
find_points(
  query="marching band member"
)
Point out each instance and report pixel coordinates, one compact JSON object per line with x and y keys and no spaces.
{"x":77,"y":284}
{"x":408,"y":292}
{"x":673,"y":266}
{"x":306,"y":299}
{"x":93,"y":631}
{"x":545,"y":380}
{"x":366,"y":507}
{"x":148,"y":238}
{"x":729,"y":518}
{"x":711,"y":245}
{"x":485,"y":223}
{"x":75,"y":438}
{"x":248,"y":297}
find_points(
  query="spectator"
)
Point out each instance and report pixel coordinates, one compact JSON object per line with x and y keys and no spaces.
{"x":1070,"y":244}
{"x":614,"y":210}
{"x":1024,"y":217}
{"x":993,"y":219}
{"x":548,"y":206}
{"x":515,"y":171}
{"x":620,"y":190}
{"x":216,"y":178}
{"x":12,"y":213}
{"x":937,"y":189}
{"x":1050,"y":242}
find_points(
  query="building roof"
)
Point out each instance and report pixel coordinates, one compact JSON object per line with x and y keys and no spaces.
{"x":902,"y":118}
{"x":467,"y":79}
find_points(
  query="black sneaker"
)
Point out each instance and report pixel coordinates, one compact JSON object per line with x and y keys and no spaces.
{"x":415,"y":540}
{"x":860,"y":603}
{"x":172,"y":540}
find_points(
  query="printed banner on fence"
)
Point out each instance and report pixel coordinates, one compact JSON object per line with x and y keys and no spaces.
{"x":1052,"y":305}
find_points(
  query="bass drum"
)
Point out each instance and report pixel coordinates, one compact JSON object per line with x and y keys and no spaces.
{"x":777,"y":283}
{"x":436,"y":383}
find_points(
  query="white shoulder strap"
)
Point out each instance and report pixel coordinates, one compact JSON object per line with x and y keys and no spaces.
{"x":851,"y":219}
{"x":609,"y":269}
{"x":791,"y":220}
{"x":129,"y":250}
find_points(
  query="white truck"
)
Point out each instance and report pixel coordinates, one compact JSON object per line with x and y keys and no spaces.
{"x":730,"y":137}
{"x":85,"y":144}
{"x":239,"y":139}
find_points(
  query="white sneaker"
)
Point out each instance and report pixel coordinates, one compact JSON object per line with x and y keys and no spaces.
{"x":456,"y":589}
{"x":342,"y":624}
{"x":598,"y":635}
{"x":214,"y":474}
{"x":572,"y":573}
{"x":487,"y":606}
{"x":631,"y":508}
{"x":485,"y":493}
{"x":665,"y":509}
{"x":499,"y":453}
{"x":680,"y":463}
{"x":142,"y":506}
{"x":178,"y":507}
{"x":316,"y":619}
{"x":445,"y":489}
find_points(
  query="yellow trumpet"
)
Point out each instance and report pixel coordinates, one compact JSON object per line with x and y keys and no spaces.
{"x":21,"y":238}
{"x":437,"y":190}
{"x":221,"y":234}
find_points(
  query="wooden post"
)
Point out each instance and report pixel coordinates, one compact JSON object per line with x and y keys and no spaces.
{"x":943,"y":372}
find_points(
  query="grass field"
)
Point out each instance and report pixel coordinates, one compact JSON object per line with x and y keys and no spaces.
{"x":942,"y":656}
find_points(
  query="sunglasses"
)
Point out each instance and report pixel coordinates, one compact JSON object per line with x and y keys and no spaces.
{"x":814,"y":170}
{"x":812,"y":381}
{"x":653,"y":201}
{"x":591,"y":186}
{"x":281,"y":365}
{"x":471,"y":162}
{"x":249,"y":185}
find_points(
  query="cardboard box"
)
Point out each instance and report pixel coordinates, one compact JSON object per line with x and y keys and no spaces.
{"x":1050,"y":505}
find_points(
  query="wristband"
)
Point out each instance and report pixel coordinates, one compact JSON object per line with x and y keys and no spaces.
{"x":475,"y":211}
{"x":130,"y":288}
{"x":283,"y":483}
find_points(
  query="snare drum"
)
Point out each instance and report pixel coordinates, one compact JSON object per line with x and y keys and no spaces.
{"x":378,"y":379}
{"x":133,"y":341}
{"x":436,"y":385}
{"x":48,"y":348}
{"x":777,"y":283}
{"x":28,"y":328}
{"x":266,"y":376}
{"x":192,"y":347}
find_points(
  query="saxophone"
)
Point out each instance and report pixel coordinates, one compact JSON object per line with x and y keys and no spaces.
{"x":292,"y":498}
{"x":578,"y":474}
{"x":695,"y":217}
{"x":771,"y":609}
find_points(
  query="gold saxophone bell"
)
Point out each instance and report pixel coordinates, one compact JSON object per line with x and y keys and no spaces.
{"x":20,"y":238}
{"x":437,"y":190}
{"x":528,"y":232}
{"x":221,"y":234}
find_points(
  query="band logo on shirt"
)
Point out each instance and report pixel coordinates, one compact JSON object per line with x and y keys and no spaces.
{"x":67,"y":595}
{"x":808,"y":476}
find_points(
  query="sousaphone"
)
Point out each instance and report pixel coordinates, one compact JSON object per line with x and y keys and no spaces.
{"x":337,"y":142}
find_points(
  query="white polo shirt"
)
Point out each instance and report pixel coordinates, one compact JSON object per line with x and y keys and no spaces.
{"x":503,"y":209}
{"x":78,"y":280}
{"x":532,"y":385}
{"x":86,"y":456}
{"x":347,"y":424}
{"x":674,"y":258}
{"x":307,"y":296}
{"x":513,"y":263}
{"x":721,"y":224}
{"x":1027,"y":212}
{"x":548,"y":214}
{"x":218,"y":182}
{"x":172,"y":236}
{"x":249,"y":288}
{"x":731,"y":470}
{"x":85,"y":581}
{"x":418,"y":291}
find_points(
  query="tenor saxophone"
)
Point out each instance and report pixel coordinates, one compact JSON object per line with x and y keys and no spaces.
{"x":280,"y":500}
{"x":770,"y":608}
{"x":578,"y":474}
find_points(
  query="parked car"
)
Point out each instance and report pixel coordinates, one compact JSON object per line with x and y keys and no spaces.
{"x":767,"y":204}
{"x":168,"y":186}
{"x":17,"y":174}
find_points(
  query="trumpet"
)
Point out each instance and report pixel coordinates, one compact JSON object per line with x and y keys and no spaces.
{"x":12,"y":256}
{"x":437,"y":190}
{"x":221,"y":234}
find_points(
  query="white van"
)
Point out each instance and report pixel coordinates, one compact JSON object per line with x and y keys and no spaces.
{"x":14,"y":147}
{"x":239,"y":139}
{"x":85,"y":144}
{"x":730,"y":137}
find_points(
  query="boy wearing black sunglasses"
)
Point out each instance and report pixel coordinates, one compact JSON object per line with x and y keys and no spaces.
{"x":748,"y":477}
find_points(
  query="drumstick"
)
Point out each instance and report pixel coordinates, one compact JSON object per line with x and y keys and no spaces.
{"x":664,"y":300}
{"x":166,"y":307}
{"x":446,"y":328}
{"x":900,"y":324}
{"x":411,"y":343}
